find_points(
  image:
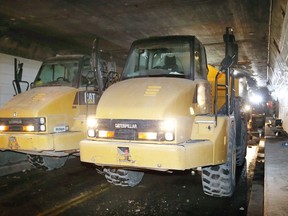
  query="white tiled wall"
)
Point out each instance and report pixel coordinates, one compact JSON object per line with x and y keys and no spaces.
{"x":30,"y":69}
{"x":279,"y":73}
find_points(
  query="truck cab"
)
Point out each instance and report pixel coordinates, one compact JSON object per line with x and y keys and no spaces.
{"x":171,"y":57}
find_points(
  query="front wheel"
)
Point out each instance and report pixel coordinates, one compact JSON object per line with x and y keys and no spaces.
{"x":46,"y":162}
{"x":121,"y":177}
{"x":241,"y":143}
{"x":220,"y":180}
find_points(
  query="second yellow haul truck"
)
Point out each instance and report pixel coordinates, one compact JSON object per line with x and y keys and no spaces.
{"x":160,"y":117}
{"x":48,"y":121}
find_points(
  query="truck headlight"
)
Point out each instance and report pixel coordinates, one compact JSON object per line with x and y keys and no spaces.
{"x":42,"y":128}
{"x":169,"y":136}
{"x":255,"y":98}
{"x":91,"y":133}
{"x":91,"y":125}
{"x":91,"y":122}
{"x":147,"y":135}
{"x":42,"y":124}
{"x":105,"y":134}
{"x":247,"y":108}
{"x":168,"y":127}
{"x":29,"y":128}
{"x":4,"y":128}
{"x":42,"y":120}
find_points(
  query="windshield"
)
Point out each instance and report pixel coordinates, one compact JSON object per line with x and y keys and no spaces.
{"x":64,"y":72}
{"x":164,"y":58}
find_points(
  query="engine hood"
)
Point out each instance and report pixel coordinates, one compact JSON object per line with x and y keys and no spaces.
{"x":40,"y":101}
{"x":147,"y":98}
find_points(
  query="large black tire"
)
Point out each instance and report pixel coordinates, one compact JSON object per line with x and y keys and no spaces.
{"x":46,"y":162}
{"x":220,"y":180}
{"x":124,"y":178}
{"x":241,"y":133}
{"x":241,"y":148}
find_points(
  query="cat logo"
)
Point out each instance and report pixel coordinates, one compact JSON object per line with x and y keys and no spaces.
{"x":86,"y":98}
{"x":90,"y":98}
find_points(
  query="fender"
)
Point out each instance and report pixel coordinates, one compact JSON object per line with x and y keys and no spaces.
{"x":204,"y":128}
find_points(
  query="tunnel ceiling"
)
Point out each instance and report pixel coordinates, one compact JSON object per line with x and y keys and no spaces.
{"x":36,"y":29}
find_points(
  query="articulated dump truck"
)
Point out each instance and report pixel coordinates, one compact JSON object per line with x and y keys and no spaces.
{"x":160,"y":116}
{"x":48,"y":121}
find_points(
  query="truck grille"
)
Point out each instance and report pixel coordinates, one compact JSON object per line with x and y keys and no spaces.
{"x":17,"y":124}
{"x":16,"y":128}
{"x":128,"y":129}
{"x":126,"y":134}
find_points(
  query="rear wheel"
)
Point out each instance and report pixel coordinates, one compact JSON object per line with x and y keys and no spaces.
{"x":46,"y":162}
{"x":124,"y":178}
{"x":220,"y":180}
{"x":241,"y":133}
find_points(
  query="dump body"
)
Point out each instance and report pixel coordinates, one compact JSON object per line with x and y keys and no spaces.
{"x":240,"y":86}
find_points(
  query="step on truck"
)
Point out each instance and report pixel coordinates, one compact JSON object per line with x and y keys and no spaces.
{"x":161,"y":116}
{"x":48,"y":121}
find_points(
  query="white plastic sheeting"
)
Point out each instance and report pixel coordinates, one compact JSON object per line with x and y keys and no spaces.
{"x":30,"y":69}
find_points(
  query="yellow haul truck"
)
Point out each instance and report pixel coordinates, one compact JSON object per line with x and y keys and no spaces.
{"x":48,"y":121}
{"x":159,"y":117}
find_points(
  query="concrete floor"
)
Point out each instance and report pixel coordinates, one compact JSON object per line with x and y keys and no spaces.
{"x":256,"y":200}
{"x":269,"y":190}
{"x":77,"y":189}
{"x":276,"y":176}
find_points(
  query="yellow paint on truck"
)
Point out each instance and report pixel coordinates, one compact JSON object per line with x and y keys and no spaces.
{"x":160,"y":116}
{"x":173,"y":99}
{"x":54,"y":103}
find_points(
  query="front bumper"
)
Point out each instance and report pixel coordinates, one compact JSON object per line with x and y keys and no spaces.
{"x":161,"y":157}
{"x":56,"y":142}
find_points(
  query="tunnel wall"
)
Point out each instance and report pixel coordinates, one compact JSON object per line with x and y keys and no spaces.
{"x":278,"y":59}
